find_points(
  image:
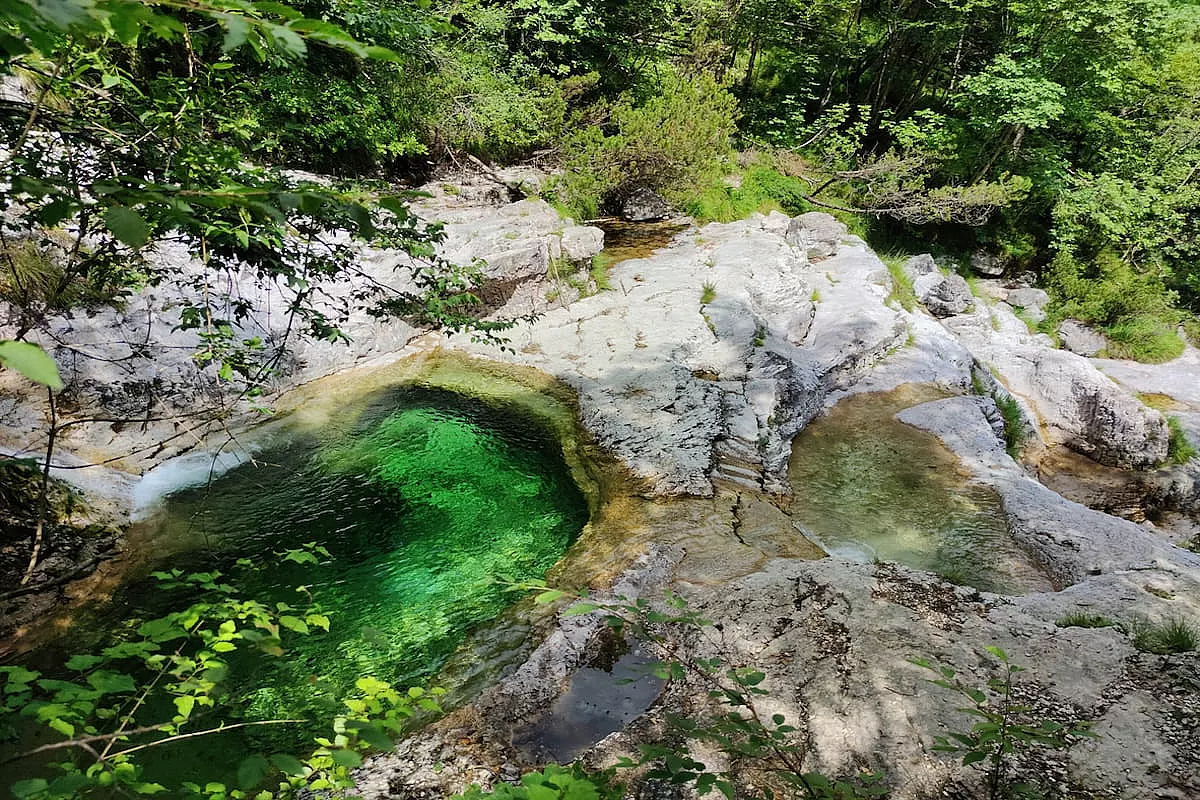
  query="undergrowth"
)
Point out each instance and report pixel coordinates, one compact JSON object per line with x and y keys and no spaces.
{"x":763,"y":189}
{"x":1151,"y":340}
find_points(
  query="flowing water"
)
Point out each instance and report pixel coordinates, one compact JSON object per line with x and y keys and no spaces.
{"x":423,"y":499}
{"x":866,"y":486}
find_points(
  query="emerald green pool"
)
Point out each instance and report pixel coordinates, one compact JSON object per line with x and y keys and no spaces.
{"x":427,"y":502}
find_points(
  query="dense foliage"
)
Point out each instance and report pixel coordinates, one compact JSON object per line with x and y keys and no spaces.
{"x":1063,"y":136}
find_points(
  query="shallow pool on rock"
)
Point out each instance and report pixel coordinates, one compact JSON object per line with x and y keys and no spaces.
{"x":423,"y":498}
{"x":866,"y":486}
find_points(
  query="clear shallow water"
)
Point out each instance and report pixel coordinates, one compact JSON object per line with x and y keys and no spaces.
{"x":423,"y":499}
{"x":866,"y":486}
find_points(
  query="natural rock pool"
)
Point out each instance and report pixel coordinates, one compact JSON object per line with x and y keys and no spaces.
{"x":867,"y":486}
{"x":426,"y":500}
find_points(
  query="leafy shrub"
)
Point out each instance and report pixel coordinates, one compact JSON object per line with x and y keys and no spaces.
{"x":486,"y":107}
{"x":552,"y":783}
{"x":1105,"y":291}
{"x":1004,"y":728}
{"x":1134,"y":308}
{"x":763,"y":189}
{"x":673,"y":142}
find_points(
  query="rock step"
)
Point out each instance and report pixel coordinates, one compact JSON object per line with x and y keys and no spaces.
{"x":738,"y":450}
{"x":736,"y":471}
{"x":718,"y":476}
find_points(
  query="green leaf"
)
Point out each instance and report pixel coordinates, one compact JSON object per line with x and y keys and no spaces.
{"x":32,"y":362}
{"x":111,"y":682}
{"x":373,"y":736}
{"x":579,"y":609}
{"x":237,"y":30}
{"x":548,"y":596}
{"x":82,"y":663}
{"x":184,"y":705}
{"x":63,"y":727}
{"x":127,"y":226}
{"x":293,"y":624}
{"x":346,"y":758}
{"x":28,"y":788}
{"x":288,"y":764}
{"x":251,"y":771}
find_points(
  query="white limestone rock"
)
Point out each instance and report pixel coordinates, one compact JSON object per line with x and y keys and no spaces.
{"x":1075,"y":404}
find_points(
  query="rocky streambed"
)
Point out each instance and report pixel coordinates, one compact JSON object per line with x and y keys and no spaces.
{"x":690,"y":379}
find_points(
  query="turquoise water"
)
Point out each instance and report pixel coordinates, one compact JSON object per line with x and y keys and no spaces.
{"x":423,"y":500}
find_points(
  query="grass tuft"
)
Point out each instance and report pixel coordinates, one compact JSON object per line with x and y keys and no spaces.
{"x":599,"y":271}
{"x":1179,"y":449}
{"x":902,"y":285}
{"x":1082,"y":619}
{"x":1014,"y":423}
{"x":708,"y":293}
{"x":1174,"y":635}
{"x":1147,"y":339}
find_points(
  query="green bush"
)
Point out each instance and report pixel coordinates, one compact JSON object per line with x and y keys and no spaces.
{"x":763,"y":189}
{"x":1135,"y":309}
{"x":483,"y":106}
{"x":552,"y":783}
{"x":675,"y":141}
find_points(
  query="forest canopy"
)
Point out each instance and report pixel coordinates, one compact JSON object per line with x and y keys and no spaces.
{"x":1062,"y":136}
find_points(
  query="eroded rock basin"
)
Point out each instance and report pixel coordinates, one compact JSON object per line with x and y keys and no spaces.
{"x":866,"y":487}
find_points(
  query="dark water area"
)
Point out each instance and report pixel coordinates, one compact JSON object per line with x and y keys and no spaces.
{"x":426,"y":501}
{"x":626,"y":240}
